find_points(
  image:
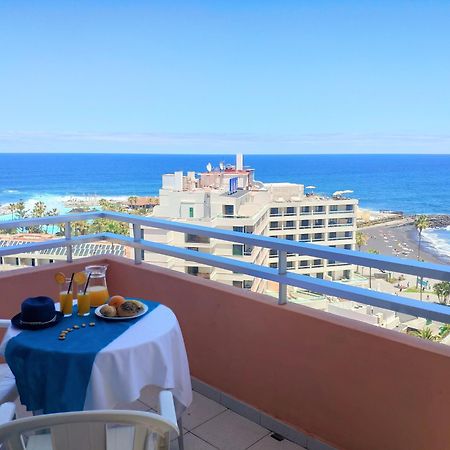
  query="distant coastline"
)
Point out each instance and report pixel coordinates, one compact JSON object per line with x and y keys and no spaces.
{"x":413,"y":184}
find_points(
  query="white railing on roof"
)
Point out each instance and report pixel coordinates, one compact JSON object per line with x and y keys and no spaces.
{"x":430,"y":311}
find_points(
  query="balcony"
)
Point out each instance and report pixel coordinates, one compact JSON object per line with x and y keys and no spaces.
{"x":318,"y":379}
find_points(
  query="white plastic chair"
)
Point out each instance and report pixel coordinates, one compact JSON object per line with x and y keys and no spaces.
{"x":89,"y":430}
{"x":8,"y":389}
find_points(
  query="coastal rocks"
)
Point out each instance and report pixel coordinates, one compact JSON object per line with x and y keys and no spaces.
{"x":439,"y":220}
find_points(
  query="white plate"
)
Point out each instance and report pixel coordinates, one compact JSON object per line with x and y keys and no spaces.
{"x":99,"y":314}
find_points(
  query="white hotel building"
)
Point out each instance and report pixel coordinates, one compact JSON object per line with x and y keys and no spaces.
{"x":280,"y":210}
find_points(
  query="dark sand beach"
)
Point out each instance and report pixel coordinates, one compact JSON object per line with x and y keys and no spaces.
{"x":397,"y":239}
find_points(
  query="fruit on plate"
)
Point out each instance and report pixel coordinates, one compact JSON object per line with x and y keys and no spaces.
{"x":129,"y":308}
{"x":80,"y":278}
{"x":60,"y":278}
{"x":108,"y":311}
{"x":116,"y":301}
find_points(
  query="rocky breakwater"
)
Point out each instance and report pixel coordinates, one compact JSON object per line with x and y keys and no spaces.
{"x":439,"y":220}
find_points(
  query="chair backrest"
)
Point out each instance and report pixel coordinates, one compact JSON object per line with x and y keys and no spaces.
{"x":89,"y":430}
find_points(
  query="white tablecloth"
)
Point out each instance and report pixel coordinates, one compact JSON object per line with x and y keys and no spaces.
{"x":149,"y":353}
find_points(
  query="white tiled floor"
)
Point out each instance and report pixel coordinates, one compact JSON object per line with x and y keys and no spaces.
{"x":210,"y":426}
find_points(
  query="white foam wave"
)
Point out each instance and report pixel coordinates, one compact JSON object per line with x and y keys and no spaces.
{"x":438,"y":240}
{"x":10,"y":191}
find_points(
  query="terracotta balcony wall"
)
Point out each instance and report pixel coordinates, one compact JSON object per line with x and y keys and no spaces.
{"x":352,"y":385}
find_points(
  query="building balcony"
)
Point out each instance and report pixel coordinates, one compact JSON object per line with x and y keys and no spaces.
{"x":320,"y":380}
{"x":226,"y":327}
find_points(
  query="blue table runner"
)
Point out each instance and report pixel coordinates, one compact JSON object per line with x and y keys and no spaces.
{"x":53,"y":375}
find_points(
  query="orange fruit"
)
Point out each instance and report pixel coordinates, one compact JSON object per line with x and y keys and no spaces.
{"x":60,"y":278}
{"x":80,"y":278}
{"x":116,"y":301}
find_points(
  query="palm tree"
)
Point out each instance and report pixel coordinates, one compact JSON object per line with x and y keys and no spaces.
{"x":373,"y":252}
{"x":39,"y":210}
{"x":425,"y":333}
{"x":421,"y":223}
{"x":12,"y":209}
{"x":442,"y":290}
{"x":361,"y":240}
{"x":21,"y":212}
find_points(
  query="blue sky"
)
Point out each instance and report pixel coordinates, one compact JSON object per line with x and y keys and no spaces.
{"x":211,"y":76}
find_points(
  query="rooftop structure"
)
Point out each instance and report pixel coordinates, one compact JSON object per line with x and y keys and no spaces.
{"x":229,"y":197}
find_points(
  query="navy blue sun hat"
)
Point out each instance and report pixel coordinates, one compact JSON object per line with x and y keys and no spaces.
{"x":37,"y":313}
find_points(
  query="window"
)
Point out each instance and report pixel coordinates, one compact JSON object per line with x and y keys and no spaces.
{"x":318,"y":223}
{"x":317,"y":262}
{"x":333,"y":208}
{"x":274,"y":226}
{"x":191,"y":212}
{"x":348,"y":246}
{"x":238,"y":250}
{"x":332,"y":235}
{"x":248,"y":250}
{"x":318,"y":209}
{"x":304,"y":263}
{"x":228,"y":210}
{"x":349,"y":207}
{"x":249,"y":229}
{"x":192,"y":270}
{"x":349,"y":221}
{"x":289,"y":225}
{"x":305,"y":210}
{"x":304,"y":223}
{"x":290,"y":237}
{"x":196,"y":239}
{"x":194,"y":249}
{"x":304,"y":237}
{"x":273,"y":265}
{"x":318,"y":236}
{"x":238,"y":229}
{"x":290,"y":211}
{"x":273,"y":252}
{"x":319,"y":275}
{"x":248,"y":284}
{"x":274,"y":211}
{"x":332,"y":222}
{"x":290,"y":265}
{"x":237,"y":284}
{"x":348,"y":234}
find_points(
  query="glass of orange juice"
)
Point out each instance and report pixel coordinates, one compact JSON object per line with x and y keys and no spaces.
{"x":66,"y":297}
{"x":84,"y":303}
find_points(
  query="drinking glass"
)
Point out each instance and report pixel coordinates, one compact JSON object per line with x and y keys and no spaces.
{"x":66,"y":298}
{"x":83,"y":301}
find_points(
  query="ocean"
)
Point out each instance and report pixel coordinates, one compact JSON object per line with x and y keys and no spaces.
{"x":413,"y":184}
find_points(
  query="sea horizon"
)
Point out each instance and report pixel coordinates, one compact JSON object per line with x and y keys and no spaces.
{"x":411,"y":183}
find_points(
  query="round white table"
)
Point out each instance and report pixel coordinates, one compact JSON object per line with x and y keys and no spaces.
{"x":150,"y":353}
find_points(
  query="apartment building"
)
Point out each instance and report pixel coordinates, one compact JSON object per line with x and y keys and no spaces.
{"x":229,"y":197}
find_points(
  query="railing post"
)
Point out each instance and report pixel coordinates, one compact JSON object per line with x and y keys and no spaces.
{"x":68,"y":235}
{"x":282,"y":270}
{"x":137,"y":238}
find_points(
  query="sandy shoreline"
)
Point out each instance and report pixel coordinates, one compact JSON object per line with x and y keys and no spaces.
{"x":397,"y":239}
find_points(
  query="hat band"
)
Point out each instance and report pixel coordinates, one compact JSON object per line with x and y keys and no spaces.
{"x":38,"y":323}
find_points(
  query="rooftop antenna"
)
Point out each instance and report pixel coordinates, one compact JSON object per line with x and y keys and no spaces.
{"x":209,"y":167}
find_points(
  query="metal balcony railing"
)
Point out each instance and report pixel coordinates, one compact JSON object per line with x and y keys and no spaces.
{"x":280,"y":275}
